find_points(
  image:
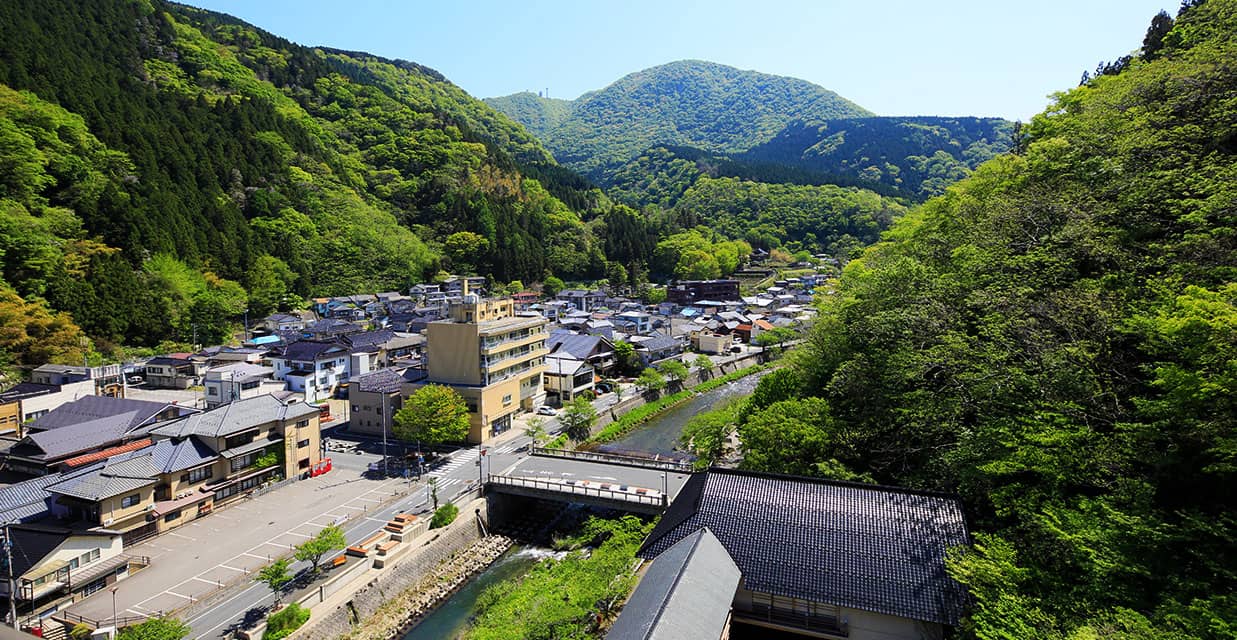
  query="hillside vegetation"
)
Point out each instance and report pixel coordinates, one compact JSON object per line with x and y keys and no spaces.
{"x":167,"y":167}
{"x":1055,"y":338}
{"x":689,"y":102}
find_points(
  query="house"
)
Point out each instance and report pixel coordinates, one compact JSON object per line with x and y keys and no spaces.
{"x":709,"y":342}
{"x":86,"y":425}
{"x":656,"y":347}
{"x":279,"y":322}
{"x":329,"y":329}
{"x":821,"y":558}
{"x":583,"y":300}
{"x":238,"y":381}
{"x":493,"y":357}
{"x":685,"y":594}
{"x":597,"y":351}
{"x":686,"y":292}
{"x":175,"y":371}
{"x":29,"y":400}
{"x":375,"y":397}
{"x":55,"y":566}
{"x":566,"y":378}
{"x":635,"y":321}
{"x":311,"y":367}
{"x":524,"y":299}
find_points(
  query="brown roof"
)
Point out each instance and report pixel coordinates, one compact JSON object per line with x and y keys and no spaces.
{"x":88,"y":458}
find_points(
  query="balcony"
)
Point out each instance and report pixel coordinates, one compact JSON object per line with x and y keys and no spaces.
{"x":490,"y":362}
{"x":806,"y":616}
{"x":498,"y":343}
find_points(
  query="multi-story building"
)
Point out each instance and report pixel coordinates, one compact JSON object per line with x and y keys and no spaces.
{"x":685,"y":292}
{"x":566,"y":378}
{"x":312,"y":368}
{"x":375,"y":397}
{"x":491,"y":356}
{"x":238,"y":381}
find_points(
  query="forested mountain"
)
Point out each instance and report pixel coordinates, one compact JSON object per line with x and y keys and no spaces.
{"x":162,"y":167}
{"x":690,"y":102}
{"x":921,"y":155}
{"x":1055,"y":339}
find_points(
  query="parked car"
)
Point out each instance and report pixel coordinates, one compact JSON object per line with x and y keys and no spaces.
{"x":136,"y":379}
{"x":546,"y":410}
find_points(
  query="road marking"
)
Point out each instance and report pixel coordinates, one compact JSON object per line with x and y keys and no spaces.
{"x":509,"y":469}
{"x":293,"y":533}
{"x":348,"y":506}
{"x":173,"y":533}
{"x":179,"y":596}
{"x":210,"y":582}
{"x":377,"y":519}
{"x":254,"y":555}
{"x":232,"y":568}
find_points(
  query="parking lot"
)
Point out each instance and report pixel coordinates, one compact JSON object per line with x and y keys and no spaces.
{"x":228,"y":546}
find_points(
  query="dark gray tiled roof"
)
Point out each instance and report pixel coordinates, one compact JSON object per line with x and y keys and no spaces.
{"x":25,"y":390}
{"x":89,"y":408}
{"x":380,"y":381}
{"x":74,"y":438}
{"x":118,"y":475}
{"x":235,"y":417}
{"x":684,"y":595}
{"x":866,"y":547}
{"x":310,"y":350}
{"x":170,"y":456}
{"x":28,"y":500}
{"x":579,"y":346}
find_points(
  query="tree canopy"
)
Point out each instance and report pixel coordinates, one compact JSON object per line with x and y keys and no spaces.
{"x":432,"y":414}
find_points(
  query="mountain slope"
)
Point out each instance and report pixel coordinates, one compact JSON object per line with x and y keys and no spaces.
{"x":690,"y":102}
{"x":1055,"y":339}
{"x":922,"y":155}
{"x":251,"y":161}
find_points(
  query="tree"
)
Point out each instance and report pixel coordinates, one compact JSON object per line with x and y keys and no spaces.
{"x":536,"y":431}
{"x":514,"y":287}
{"x":275,"y":576}
{"x":552,"y":286}
{"x":790,"y":436}
{"x":270,"y":281}
{"x":676,"y":372}
{"x":704,"y":364}
{"x":578,"y":418}
{"x":433,"y":414}
{"x":651,"y":381}
{"x":697,"y":265}
{"x":327,"y":540}
{"x":616,"y":275}
{"x":466,"y":250}
{"x":155,"y":629}
{"x":444,"y":516}
{"x":433,"y":487}
{"x":1153,"y":42}
{"x":627,"y":358}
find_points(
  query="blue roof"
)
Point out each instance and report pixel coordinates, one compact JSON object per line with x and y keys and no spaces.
{"x":264,"y":339}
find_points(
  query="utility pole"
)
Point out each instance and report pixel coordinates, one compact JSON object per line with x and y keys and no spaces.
{"x":245,"y":329}
{"x":8,"y":569}
{"x":385,"y":402}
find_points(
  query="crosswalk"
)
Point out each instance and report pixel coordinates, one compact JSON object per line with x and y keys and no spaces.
{"x":505,"y":449}
{"x":458,"y":460}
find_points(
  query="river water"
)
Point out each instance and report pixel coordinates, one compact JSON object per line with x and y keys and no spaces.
{"x":451,"y":620}
{"x":659,"y":435}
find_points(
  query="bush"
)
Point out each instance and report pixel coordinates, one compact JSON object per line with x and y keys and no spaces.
{"x":444,"y":516}
{"x":283,"y":622}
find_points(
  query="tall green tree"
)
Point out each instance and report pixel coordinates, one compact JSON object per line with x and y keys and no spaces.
{"x":432,"y":414}
{"x":578,"y":418}
{"x":275,"y":576}
{"x":328,"y":539}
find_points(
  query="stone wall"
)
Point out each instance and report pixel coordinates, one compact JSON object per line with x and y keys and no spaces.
{"x":416,"y":562}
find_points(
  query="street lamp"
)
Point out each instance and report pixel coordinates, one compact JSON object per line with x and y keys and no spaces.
{"x":114,"y":611}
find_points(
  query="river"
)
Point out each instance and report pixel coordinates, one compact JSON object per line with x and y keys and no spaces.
{"x":659,"y":435}
{"x":450,"y":620}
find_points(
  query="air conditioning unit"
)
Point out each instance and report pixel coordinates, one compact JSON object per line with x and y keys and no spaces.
{"x":150,"y":507}
{"x":107,"y":522}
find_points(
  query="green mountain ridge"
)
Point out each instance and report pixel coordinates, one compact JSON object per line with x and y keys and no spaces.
{"x":690,"y":102}
{"x":237,"y":158}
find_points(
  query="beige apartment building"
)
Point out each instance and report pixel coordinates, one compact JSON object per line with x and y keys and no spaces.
{"x":493,"y":357}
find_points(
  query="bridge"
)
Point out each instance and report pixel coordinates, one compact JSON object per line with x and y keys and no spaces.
{"x":614,"y":495}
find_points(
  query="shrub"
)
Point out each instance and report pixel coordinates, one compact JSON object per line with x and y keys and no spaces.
{"x":283,"y":622}
{"x":444,"y":516}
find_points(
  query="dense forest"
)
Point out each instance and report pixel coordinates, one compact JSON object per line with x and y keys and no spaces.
{"x":1055,"y":339}
{"x":165,"y":168}
{"x":689,"y":102}
{"x":919,"y":155}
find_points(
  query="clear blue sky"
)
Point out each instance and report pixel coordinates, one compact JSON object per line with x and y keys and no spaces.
{"x":898,"y":57}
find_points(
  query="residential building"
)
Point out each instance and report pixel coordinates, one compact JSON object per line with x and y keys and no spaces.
{"x":686,"y":292}
{"x":656,"y":347}
{"x":86,"y":425}
{"x":492,"y":357}
{"x":582,"y":299}
{"x":635,"y":321}
{"x":311,"y":367}
{"x":238,"y":381}
{"x":709,"y":342}
{"x":55,"y":566}
{"x":280,"y":322}
{"x":822,"y":558}
{"x":566,"y":378}
{"x":374,"y":399}
{"x":329,"y":329}
{"x":176,"y":371}
{"x":597,"y":351}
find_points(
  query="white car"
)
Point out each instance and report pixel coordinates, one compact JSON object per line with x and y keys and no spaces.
{"x":546,"y":410}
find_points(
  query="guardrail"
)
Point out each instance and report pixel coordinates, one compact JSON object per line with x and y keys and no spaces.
{"x":614,"y":458}
{"x":655,"y":498}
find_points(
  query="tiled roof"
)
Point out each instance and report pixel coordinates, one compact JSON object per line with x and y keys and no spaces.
{"x":368,"y":338}
{"x":310,"y":350}
{"x":563,"y":366}
{"x":579,"y":346}
{"x":170,"y":456}
{"x":684,"y":595}
{"x":88,"y":458}
{"x":235,"y":417}
{"x":89,"y":408}
{"x":74,"y":438}
{"x":24,"y":390}
{"x":118,"y":475}
{"x":867,"y":547}
{"x":27,"y":500}
{"x":380,"y":381}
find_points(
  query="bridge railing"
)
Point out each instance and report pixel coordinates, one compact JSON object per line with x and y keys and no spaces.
{"x":633,"y":461}
{"x":649,"y":496}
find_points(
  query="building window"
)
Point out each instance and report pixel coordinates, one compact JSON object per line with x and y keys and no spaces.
{"x":303,"y":443}
{"x":507,"y":399}
{"x":211,"y":391}
{"x":196,"y":475}
{"x":130,"y":501}
{"x":175,"y":515}
{"x":94,"y":554}
{"x":301,"y":424}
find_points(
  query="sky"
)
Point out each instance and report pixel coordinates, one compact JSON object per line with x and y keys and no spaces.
{"x":896,"y":58}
